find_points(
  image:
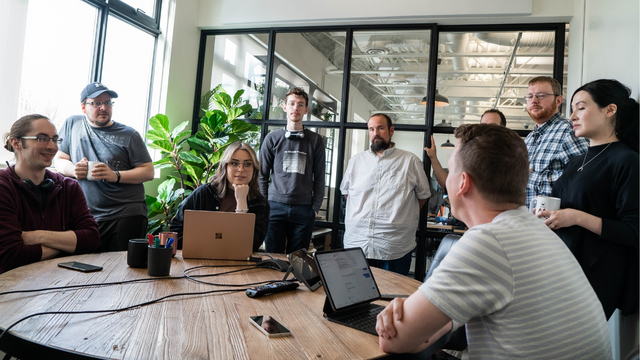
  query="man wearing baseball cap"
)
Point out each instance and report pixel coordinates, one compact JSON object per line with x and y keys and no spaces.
{"x":115,"y":193}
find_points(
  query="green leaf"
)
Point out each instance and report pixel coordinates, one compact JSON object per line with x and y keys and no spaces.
{"x":194,"y":172}
{"x":222,"y":140}
{"x":204,"y":131}
{"x":155,"y":209}
{"x":175,"y":196}
{"x":149,"y":199}
{"x":199,"y":145}
{"x":160,"y":122}
{"x":241,"y":126}
{"x":157,"y":135}
{"x":162,"y":145}
{"x":191,"y":158}
{"x":165,"y":160}
{"x":178,"y":129}
{"x":246,"y":108}
{"x":164,"y":189}
{"x":215,"y":157}
{"x":217,"y":118}
{"x":223,"y":99}
{"x":180,"y":135}
{"x":237,"y":96}
{"x":234,"y":113}
{"x":163,"y":166}
{"x":154,"y":228}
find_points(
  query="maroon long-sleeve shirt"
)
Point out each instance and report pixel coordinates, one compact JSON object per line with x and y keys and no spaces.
{"x":65,"y":209}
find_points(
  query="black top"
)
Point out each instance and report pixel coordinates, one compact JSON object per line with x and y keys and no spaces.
{"x":607,"y":187}
{"x":205,"y":198}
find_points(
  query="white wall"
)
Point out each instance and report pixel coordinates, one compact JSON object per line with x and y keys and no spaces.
{"x":13,"y":22}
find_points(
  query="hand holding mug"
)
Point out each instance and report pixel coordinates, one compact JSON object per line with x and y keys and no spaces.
{"x":556,"y":219}
{"x":100,"y":171}
{"x":81,"y":168}
{"x":544,"y":203}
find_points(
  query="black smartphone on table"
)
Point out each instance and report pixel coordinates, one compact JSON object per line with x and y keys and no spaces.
{"x":75,"y":265}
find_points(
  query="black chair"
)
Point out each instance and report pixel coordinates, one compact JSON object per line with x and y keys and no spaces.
{"x":445,"y":245}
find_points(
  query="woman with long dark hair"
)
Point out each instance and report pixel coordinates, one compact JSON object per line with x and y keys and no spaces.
{"x":598,"y":219}
{"x":234,"y":187}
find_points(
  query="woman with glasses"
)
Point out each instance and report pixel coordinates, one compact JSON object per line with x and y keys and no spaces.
{"x":234,"y":187}
{"x":599,"y":194}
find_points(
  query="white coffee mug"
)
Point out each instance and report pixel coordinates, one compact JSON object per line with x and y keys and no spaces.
{"x":544,"y":203}
{"x":90,"y":166}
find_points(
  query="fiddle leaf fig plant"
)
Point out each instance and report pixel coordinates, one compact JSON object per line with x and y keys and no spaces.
{"x":194,"y":157}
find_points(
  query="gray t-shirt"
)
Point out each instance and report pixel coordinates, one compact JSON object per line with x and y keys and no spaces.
{"x":521,"y":293}
{"x":121,"y":148}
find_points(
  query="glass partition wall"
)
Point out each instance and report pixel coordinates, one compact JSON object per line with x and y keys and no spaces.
{"x":420,"y":75}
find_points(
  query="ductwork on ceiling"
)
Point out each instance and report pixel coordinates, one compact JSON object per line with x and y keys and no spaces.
{"x":392,"y":57}
{"x":535,"y":39}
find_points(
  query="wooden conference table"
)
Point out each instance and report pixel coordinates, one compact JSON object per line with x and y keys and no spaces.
{"x":214,"y":326}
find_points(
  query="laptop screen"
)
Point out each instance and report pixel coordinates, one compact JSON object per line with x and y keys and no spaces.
{"x":347,"y":278}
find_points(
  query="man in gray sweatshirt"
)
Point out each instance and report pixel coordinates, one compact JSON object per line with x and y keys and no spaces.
{"x":292,"y":163}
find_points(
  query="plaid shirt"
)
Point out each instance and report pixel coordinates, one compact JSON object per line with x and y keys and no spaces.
{"x":550,"y":147}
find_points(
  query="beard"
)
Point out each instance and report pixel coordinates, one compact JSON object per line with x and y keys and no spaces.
{"x":378,"y":144}
{"x":545,"y":114}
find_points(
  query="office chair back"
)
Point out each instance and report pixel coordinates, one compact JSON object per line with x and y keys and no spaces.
{"x":445,"y":245}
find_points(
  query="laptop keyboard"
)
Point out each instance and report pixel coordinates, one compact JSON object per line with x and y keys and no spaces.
{"x":363,"y":320}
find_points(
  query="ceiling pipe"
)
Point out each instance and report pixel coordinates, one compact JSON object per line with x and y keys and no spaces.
{"x":506,"y":71}
{"x":460,"y":45}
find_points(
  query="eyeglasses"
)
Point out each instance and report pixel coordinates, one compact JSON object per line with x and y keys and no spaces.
{"x":538,"y":96}
{"x":236,"y":165}
{"x":43,"y":139}
{"x":98,"y":104}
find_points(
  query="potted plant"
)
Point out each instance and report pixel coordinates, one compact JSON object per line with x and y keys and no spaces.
{"x":194,"y":157}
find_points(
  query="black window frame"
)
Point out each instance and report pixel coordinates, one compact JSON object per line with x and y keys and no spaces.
{"x":343,"y":125}
{"x":130,"y":15}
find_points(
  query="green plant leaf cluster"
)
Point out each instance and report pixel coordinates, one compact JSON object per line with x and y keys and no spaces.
{"x":195,"y":157}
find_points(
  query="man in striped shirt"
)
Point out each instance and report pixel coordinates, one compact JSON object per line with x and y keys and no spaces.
{"x":509,"y":278}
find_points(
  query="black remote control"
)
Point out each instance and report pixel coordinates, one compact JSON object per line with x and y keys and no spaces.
{"x":271,"y":288}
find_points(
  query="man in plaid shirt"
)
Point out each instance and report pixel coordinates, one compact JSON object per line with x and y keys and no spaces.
{"x":552,"y":142}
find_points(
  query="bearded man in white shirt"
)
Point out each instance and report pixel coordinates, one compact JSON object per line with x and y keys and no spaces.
{"x":385,"y":188}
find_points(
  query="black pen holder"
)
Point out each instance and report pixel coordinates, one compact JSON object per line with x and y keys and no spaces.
{"x":159,"y":261}
{"x":137,"y":253}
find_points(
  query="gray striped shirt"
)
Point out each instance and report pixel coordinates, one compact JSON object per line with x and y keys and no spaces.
{"x":521,"y":293}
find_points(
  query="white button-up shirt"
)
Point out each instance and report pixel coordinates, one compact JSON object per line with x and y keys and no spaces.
{"x":382,"y":205}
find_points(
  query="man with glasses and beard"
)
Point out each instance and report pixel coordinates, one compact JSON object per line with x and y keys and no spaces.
{"x":115,"y":194}
{"x":552,"y":142}
{"x":385,"y":188}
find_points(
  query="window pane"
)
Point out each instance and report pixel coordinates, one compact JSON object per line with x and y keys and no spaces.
{"x":57,"y":59}
{"x":130,"y":79}
{"x":330,"y":137}
{"x":148,"y":6}
{"x":389,"y":74}
{"x":237,"y":62}
{"x":313,"y":61}
{"x":472,"y":74}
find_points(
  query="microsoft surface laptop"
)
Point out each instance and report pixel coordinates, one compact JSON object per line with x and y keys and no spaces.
{"x":350,"y":288}
{"x":217,"y":235}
